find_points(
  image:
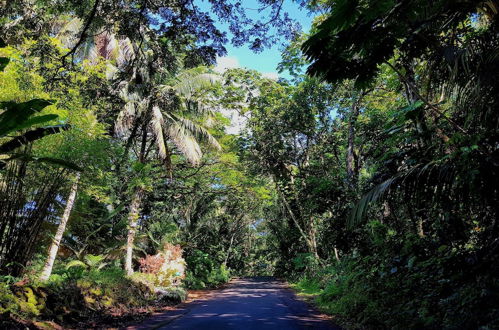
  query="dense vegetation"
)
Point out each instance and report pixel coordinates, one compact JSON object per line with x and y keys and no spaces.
{"x":369,"y":180}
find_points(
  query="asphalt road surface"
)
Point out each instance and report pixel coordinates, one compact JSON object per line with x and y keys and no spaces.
{"x":250,"y":303}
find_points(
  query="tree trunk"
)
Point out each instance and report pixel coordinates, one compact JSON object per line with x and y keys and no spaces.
{"x":336,"y":254}
{"x":412,"y":96}
{"x":310,"y":241}
{"x":351,"y":166}
{"x":229,"y":249}
{"x":420,"y":228}
{"x":312,"y":234}
{"x":54,"y":247}
{"x":133,"y":218}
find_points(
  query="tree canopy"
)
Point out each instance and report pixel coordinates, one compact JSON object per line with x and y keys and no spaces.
{"x":365,"y":175}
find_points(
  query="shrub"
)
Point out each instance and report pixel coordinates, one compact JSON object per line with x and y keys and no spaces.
{"x":173,"y":295}
{"x":151,"y":264}
{"x":164,"y":269}
{"x":203,"y":271}
{"x":305,"y":262}
{"x":67,"y":299}
{"x":405,"y":286}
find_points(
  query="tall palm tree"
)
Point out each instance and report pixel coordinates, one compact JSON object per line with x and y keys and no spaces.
{"x":152,"y":112}
{"x":163,"y":113}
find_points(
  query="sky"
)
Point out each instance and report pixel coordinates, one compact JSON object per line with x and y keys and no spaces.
{"x":267,"y":60}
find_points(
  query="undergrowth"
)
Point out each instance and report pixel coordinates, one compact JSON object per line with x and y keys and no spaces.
{"x":405,"y":287}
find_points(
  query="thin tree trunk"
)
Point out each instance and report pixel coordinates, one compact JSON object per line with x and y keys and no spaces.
{"x":133,"y":219}
{"x":133,"y":215}
{"x":54,"y":247}
{"x":412,"y":96}
{"x":420,"y":228}
{"x":229,"y":249}
{"x":351,"y":166}
{"x":311,"y":245}
{"x":336,"y":254}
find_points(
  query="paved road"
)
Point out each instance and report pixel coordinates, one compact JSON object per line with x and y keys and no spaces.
{"x":251,"y":303}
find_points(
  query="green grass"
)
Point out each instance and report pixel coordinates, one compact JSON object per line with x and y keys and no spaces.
{"x":307,"y":287}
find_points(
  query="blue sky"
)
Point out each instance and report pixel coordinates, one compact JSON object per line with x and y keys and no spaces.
{"x":267,"y":60}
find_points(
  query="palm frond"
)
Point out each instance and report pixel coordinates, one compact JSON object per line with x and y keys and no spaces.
{"x":125,"y":119}
{"x":183,"y":140}
{"x":200,"y":132}
{"x":68,"y":33}
{"x":106,"y":45}
{"x":125,"y":53}
{"x":188,"y":84}
{"x":157,"y":126}
{"x":360,"y":210}
{"x":422,"y":181}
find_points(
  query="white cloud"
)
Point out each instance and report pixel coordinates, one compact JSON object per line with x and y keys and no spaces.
{"x":270,"y":75}
{"x":238,"y":121}
{"x":232,"y":62}
{"x":225,"y":63}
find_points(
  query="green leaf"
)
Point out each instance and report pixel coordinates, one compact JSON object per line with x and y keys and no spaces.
{"x":76,"y":263}
{"x":16,"y":114}
{"x":359,"y":211}
{"x":115,"y":211}
{"x":31,"y":136}
{"x":50,"y":160}
{"x":411,"y":111}
{"x":61,"y":162}
{"x":38,"y":120}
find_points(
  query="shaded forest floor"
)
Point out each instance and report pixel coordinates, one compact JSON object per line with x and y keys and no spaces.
{"x":115,"y":318}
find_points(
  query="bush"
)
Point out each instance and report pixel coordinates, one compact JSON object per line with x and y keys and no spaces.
{"x":171,"y":295}
{"x":305,"y":263}
{"x":204,"y":272}
{"x":165,"y":269}
{"x":68,"y":299}
{"x":408,"y":287}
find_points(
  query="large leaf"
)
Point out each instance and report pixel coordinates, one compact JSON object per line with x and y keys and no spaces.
{"x":31,"y":136}
{"x":49,"y":160}
{"x":76,"y":263}
{"x":15,"y":114}
{"x":359,"y":211}
{"x":412,"y":111}
{"x":37,"y":121}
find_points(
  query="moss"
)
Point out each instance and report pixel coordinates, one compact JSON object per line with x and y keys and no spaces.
{"x":31,"y":301}
{"x":96,"y":291}
{"x":89,"y":300}
{"x":75,"y":300}
{"x":8,"y":302}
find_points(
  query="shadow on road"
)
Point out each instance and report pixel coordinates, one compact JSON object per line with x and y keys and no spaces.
{"x":246,"y":303}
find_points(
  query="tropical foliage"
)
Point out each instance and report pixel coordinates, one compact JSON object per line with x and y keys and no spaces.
{"x":367,"y":177}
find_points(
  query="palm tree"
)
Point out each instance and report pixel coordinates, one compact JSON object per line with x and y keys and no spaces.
{"x":163,"y":113}
{"x":54,"y":246}
{"x":152,"y":112}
